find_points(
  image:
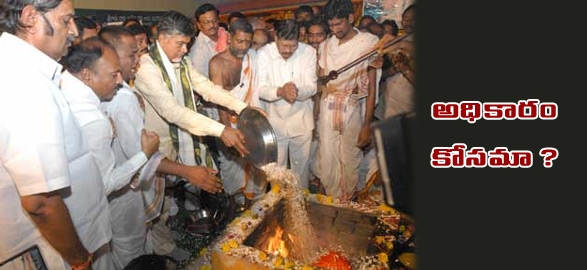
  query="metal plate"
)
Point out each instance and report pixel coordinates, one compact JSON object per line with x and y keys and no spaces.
{"x":260,"y":138}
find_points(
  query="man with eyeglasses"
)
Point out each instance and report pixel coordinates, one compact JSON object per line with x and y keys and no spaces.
{"x":287,"y":82}
{"x":54,"y":212}
{"x":211,"y":40}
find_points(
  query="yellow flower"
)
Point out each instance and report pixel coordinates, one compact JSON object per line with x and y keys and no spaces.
{"x":320,"y":198}
{"x":306,"y":192}
{"x":307,"y":267}
{"x":407,"y":234}
{"x":244,"y":226}
{"x":382,"y":257}
{"x":402,"y":228}
{"x":225,"y":247}
{"x":275,"y":189}
{"x":206,"y":267}
{"x":232,"y":243}
{"x":389,"y":245}
{"x":262,"y":256}
{"x":278,"y":261}
{"x":386,"y":208}
{"x":288,"y":264}
{"x":246,"y":213}
{"x":329,"y":200}
{"x":379,"y":239}
{"x":203,"y":251}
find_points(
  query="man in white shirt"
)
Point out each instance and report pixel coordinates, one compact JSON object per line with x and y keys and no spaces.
{"x":168,"y":83}
{"x":53,"y":211}
{"x":139,"y":203}
{"x":347,"y":102}
{"x":93,"y":75}
{"x":287,"y":82}
{"x":211,"y":40}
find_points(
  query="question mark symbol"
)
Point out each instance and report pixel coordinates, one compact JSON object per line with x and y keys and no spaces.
{"x":549,"y":155}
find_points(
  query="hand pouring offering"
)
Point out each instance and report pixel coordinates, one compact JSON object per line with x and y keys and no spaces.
{"x":259,"y":137}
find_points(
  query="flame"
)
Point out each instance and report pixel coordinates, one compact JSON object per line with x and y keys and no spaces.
{"x":276,"y":245}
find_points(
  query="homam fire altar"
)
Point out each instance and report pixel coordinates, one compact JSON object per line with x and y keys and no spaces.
{"x":292,"y":229}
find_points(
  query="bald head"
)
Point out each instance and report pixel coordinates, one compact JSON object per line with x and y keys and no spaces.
{"x":260,"y":38}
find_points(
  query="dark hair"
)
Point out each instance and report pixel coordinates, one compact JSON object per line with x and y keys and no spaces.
{"x":264,"y":31}
{"x":287,"y":29}
{"x":321,"y":23}
{"x":304,"y":24}
{"x":10,"y":12}
{"x":83,"y":22}
{"x":205,"y":8}
{"x":302,"y":9}
{"x":235,"y":14}
{"x":393,"y":24}
{"x":320,"y":14}
{"x":410,"y":7}
{"x":85,"y":54}
{"x":113,"y":33}
{"x":223,"y":25}
{"x":366,"y":17}
{"x":373,"y":27}
{"x":338,"y":9}
{"x":242,"y":25}
{"x":173,"y":23}
{"x":137,"y":29}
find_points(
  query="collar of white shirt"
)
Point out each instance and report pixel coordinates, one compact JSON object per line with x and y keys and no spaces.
{"x":27,"y":53}
{"x":77,"y":93}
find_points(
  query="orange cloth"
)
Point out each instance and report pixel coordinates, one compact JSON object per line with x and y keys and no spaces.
{"x":222,"y":42}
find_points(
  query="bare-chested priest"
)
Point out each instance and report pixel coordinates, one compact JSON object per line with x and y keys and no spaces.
{"x":234,"y":69}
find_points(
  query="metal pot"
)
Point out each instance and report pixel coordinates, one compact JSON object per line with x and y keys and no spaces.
{"x":259,"y":135}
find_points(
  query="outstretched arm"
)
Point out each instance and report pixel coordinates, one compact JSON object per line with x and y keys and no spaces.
{"x":50,"y":215}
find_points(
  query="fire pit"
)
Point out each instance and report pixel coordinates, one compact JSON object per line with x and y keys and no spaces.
{"x":344,"y":235}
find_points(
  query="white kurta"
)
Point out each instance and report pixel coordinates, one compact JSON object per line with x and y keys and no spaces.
{"x":43,"y":150}
{"x":162,"y":107}
{"x":342,"y":113}
{"x":129,"y":229}
{"x":199,"y":55}
{"x":292,"y":123}
{"x":97,"y":129}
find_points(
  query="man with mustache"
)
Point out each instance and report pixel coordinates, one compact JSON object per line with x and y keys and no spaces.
{"x":211,"y":40}
{"x":347,"y":102}
{"x":54,"y":211}
{"x":287,"y":82}
{"x":235,"y":70}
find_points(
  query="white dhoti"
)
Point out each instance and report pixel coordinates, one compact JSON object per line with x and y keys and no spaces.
{"x":238,"y":175}
{"x":338,"y":150}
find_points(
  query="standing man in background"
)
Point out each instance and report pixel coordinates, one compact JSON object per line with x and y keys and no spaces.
{"x":54,"y":212}
{"x":347,"y":102}
{"x":211,"y":40}
{"x":287,"y":82}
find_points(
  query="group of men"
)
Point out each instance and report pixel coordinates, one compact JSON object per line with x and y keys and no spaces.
{"x":91,"y":134}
